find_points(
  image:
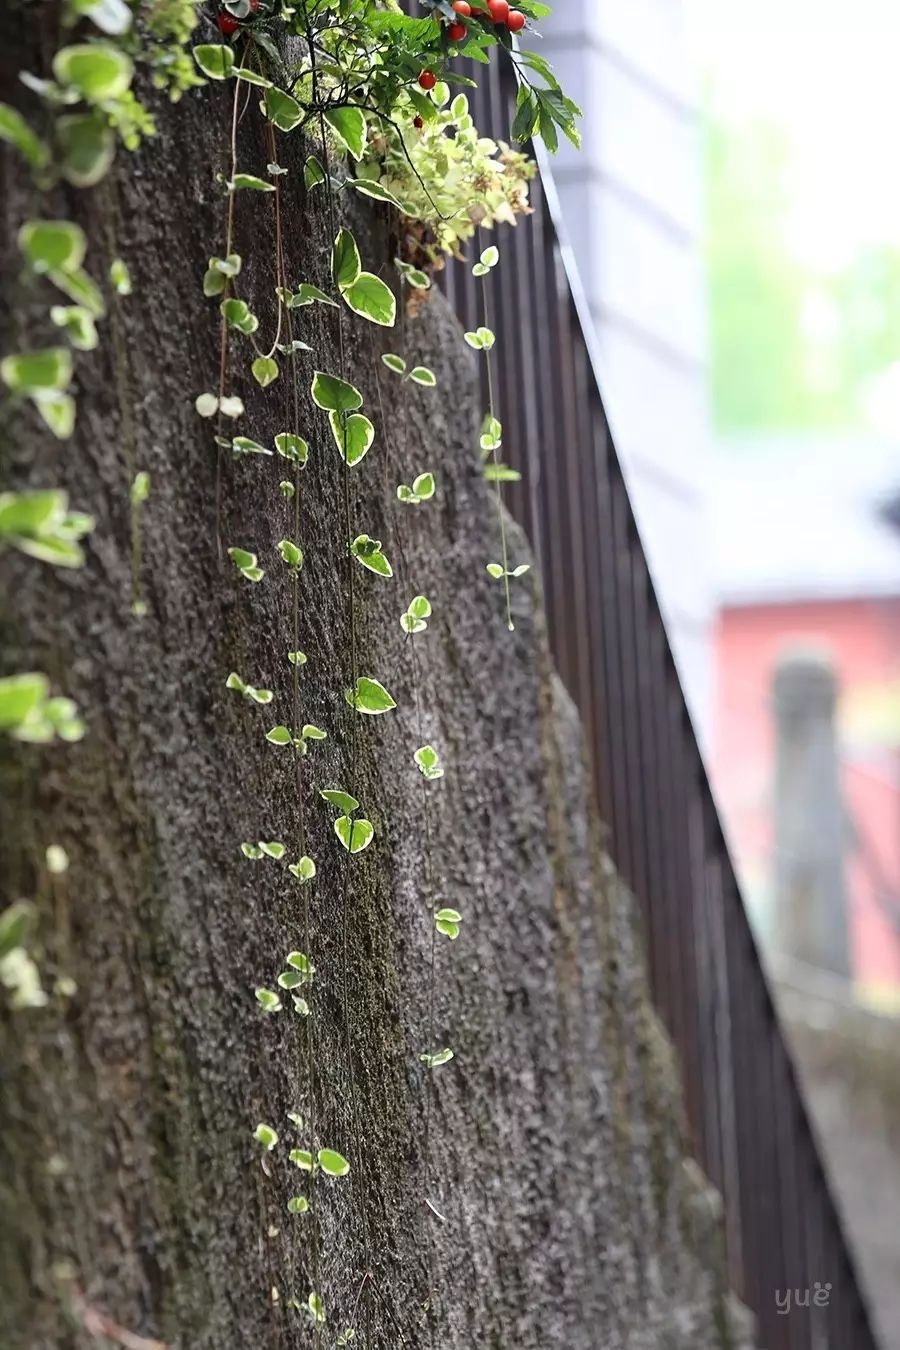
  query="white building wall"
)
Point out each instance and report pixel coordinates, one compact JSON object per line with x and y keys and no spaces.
{"x":632,"y":210}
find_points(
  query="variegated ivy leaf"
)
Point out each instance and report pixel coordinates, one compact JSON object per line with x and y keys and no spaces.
{"x":369,"y":697}
{"x":422,"y":490}
{"x":292,"y":447}
{"x":436,"y":1060}
{"x":355,"y":835}
{"x":246,"y":563}
{"x":354,"y":432}
{"x":368,"y":552}
{"x":428,"y":763}
{"x":342,"y":800}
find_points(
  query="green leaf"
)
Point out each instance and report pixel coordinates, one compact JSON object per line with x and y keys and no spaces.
{"x":273,"y":849}
{"x":420,"y":607}
{"x":435,"y":1061}
{"x":252,"y":77}
{"x":35,"y":372}
{"x":313,"y":173}
{"x":246,"y":564}
{"x":449,"y":929}
{"x":58,"y":411}
{"x":370,"y":697}
{"x":244,"y":445}
{"x":297,"y":658}
{"x":52,"y":244}
{"x":291,"y":979}
{"x":449,"y":915}
{"x":16,"y":131}
{"x":422,"y":375}
{"x":332,"y":1163}
{"x":264,"y":370}
{"x":316,"y":1308}
{"x":216,"y":60}
{"x":501,"y":473}
{"x":292,"y":447}
{"x":371,"y":298}
{"x":301,"y":962}
{"x":98,"y":70}
{"x":282,"y":109}
{"x":355,"y":835}
{"x":87,"y":147}
{"x":298,"y":1204}
{"x":110,"y":16}
{"x":19,"y":696}
{"x":342,"y":800}
{"x":349,"y":126}
{"x":249,"y":180}
{"x":353,"y":430}
{"x":307,"y":294}
{"x":301,"y":1158}
{"x":16,"y":924}
{"x":428,"y":762}
{"x":345,"y":263}
{"x":237,"y":314}
{"x":412,"y":275}
{"x":495,"y":570}
{"x":81,"y":288}
{"x":120,"y":277}
{"x":265,"y":1135}
{"x":394,"y":363}
{"x":78,"y":324}
{"x":369,"y":187}
{"x":311,"y":732}
{"x":291,"y":553}
{"x":368,"y":552}
{"x":279,"y":736}
{"x":252,"y":851}
{"x":333,"y":394}
{"x":304,"y":869}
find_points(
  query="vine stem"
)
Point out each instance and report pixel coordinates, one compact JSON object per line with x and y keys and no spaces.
{"x":504,"y":549}
{"x":358,"y":1170}
{"x":223,"y":328}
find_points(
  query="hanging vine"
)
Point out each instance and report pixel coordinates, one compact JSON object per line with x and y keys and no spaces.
{"x":369,"y":85}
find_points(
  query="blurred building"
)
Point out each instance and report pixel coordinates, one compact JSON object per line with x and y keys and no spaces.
{"x":807,"y":549}
{"x":632,"y":209}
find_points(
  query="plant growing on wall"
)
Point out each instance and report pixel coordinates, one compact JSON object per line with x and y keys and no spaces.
{"x":371,"y":90}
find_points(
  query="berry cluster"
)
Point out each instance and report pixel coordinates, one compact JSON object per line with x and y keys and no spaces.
{"x":498,"y":12}
{"x":228,"y":24}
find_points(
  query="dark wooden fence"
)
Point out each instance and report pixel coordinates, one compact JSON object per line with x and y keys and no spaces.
{"x":749,"y":1126}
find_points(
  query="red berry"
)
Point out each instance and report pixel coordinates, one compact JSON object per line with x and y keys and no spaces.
{"x":463,"y":8}
{"x":456,"y":32}
{"x":516,"y":20}
{"x":427,"y":80}
{"x":227,"y":23}
{"x":498,"y":10}
{"x":418,"y":123}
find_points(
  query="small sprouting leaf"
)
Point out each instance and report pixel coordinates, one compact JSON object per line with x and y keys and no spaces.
{"x":368,"y":552}
{"x":474,"y":340}
{"x":354,"y":432}
{"x":307,"y":294}
{"x":268,"y":1000}
{"x":86,"y":147}
{"x":491,"y":433}
{"x":251,"y":181}
{"x":297,"y":658}
{"x":332,"y":1163}
{"x":349,"y":126}
{"x":291,"y":979}
{"x":495,"y":570}
{"x":120,"y":277}
{"x":520,"y":570}
{"x":314,"y":1303}
{"x":412,"y":275}
{"x":16,"y":924}
{"x":333,"y":394}
{"x":292,"y":447}
{"x":38,"y":371}
{"x":420,"y":608}
{"x":57,"y":859}
{"x":16,"y":131}
{"x":301,"y":1007}
{"x":345,"y":263}
{"x":301,"y":1158}
{"x":275,"y":170}
{"x":265,"y":1135}
{"x":428,"y":763}
{"x":291,"y":553}
{"x":313,"y":173}
{"x":280,"y":735}
{"x":394,"y":363}
{"x":501,"y":473}
{"x":449,"y":915}
{"x":355,"y":835}
{"x":303,"y":870}
{"x":298,"y":1204}
{"x":252,"y":851}
{"x":435,"y":1061}
{"x":246,"y":564}
{"x":342,"y":800}
{"x":79,"y":326}
{"x":372,"y":298}
{"x":296,"y":1120}
{"x":207,"y":405}
{"x":48,"y":245}
{"x":264,"y":370}
{"x":273,"y":849}
{"x":237,"y":314}
{"x":216,"y":60}
{"x":449,"y":929}
{"x":311,"y":732}
{"x":422,"y":375}
{"x":299,"y":961}
{"x":234,"y":681}
{"x":245,"y":445}
{"x":370,"y":697}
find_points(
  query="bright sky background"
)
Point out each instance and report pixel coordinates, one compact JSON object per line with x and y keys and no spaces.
{"x":826,"y":73}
